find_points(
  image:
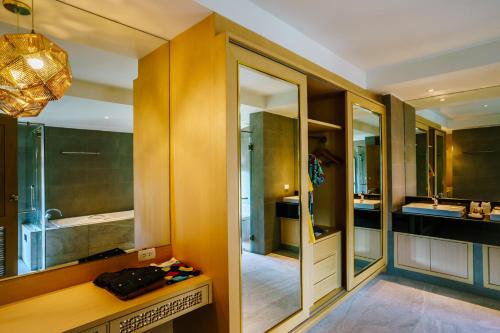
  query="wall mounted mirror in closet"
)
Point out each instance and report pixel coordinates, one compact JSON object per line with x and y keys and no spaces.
{"x":270,"y":187}
{"x":367,"y":165}
{"x":270,"y":196}
{"x":366,"y":239}
{"x":71,"y":193}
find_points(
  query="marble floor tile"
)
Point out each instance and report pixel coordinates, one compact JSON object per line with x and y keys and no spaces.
{"x":392,"y":304}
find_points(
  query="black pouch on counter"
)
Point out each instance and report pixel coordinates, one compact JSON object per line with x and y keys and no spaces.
{"x":102,"y":255}
{"x":132,"y":282}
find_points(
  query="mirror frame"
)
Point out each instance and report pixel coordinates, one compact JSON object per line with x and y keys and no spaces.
{"x":438,"y":132}
{"x":354,"y":280}
{"x":237,"y":56}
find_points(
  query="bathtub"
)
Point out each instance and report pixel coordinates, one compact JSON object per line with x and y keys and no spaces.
{"x":72,"y":238}
{"x":92,"y":219}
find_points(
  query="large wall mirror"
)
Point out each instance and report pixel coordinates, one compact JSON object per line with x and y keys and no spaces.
{"x":74,"y":166}
{"x":270,"y":221}
{"x":367,"y":184}
{"x":462,"y":131}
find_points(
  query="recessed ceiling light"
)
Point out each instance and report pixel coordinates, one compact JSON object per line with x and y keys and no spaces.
{"x":442,"y":99}
{"x":485,"y":105}
{"x":430,"y":90}
{"x":106,"y":117}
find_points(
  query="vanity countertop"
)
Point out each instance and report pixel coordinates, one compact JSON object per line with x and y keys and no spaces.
{"x":454,"y":228}
{"x":84,"y":306}
{"x":464,"y":218}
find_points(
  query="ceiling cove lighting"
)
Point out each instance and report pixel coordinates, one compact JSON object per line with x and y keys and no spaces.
{"x":33,"y":69}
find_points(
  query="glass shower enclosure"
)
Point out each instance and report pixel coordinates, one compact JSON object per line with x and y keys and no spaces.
{"x":31,"y":222}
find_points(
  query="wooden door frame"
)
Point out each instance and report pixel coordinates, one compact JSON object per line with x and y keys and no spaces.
{"x":9,"y":174}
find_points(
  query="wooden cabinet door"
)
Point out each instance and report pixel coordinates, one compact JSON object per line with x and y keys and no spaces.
{"x":494,"y":265}
{"x":8,"y":196}
{"x":450,"y":258}
{"x":413,"y":251}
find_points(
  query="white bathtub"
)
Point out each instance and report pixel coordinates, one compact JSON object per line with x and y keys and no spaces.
{"x":92,"y":219}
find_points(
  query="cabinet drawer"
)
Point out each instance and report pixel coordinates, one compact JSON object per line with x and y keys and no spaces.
{"x":325,"y":248}
{"x":325,"y":286}
{"x":324,"y":268}
{"x":161,"y":312}
{"x":99,"y":329}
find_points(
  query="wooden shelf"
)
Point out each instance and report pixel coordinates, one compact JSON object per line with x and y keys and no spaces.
{"x":320,"y":126}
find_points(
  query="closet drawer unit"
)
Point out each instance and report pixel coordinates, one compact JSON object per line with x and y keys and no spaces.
{"x":325,"y":268}
{"x":325,"y":286}
{"x":162,"y":312}
{"x":325,"y":248}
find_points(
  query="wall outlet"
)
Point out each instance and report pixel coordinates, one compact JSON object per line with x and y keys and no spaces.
{"x":147,"y":254}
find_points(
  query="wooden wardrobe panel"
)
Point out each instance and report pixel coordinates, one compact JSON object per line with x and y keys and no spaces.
{"x":151,"y":150}
{"x":198,"y":167}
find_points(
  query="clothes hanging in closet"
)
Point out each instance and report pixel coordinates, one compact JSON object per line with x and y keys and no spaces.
{"x":316,"y":173}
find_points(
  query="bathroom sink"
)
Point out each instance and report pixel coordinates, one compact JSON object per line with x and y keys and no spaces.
{"x":366,"y":204}
{"x":439,"y":210}
{"x":293,"y":199}
{"x":495,"y":215}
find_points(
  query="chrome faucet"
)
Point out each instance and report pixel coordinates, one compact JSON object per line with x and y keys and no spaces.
{"x":48,"y":214}
{"x":361,"y":197}
{"x":435,"y":201}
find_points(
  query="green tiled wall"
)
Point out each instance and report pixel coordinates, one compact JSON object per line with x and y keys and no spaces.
{"x":88,"y":184}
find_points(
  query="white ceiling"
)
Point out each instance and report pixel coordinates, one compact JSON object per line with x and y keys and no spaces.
{"x":83,"y":113}
{"x":371,"y":34}
{"x":405,"y":47}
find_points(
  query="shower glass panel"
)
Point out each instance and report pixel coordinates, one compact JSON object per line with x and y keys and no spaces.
{"x":246,"y":174}
{"x":31,"y":247}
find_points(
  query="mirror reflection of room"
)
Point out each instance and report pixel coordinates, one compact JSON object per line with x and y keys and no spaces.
{"x":456,"y":141}
{"x":74,"y":167}
{"x":367,"y":162}
{"x":269,"y":195}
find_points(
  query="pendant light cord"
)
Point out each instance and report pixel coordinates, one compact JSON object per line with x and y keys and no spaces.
{"x":32,"y":16}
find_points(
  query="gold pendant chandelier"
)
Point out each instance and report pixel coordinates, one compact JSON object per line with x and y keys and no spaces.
{"x":33,"y":70}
